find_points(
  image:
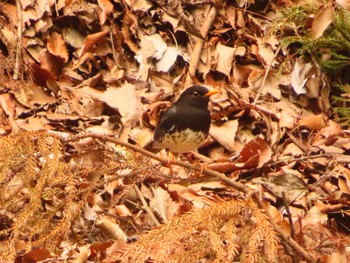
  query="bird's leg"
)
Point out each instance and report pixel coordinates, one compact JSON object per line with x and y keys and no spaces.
{"x":202,"y":167}
{"x":170,"y":157}
{"x":197,"y":161}
{"x":196,"y":155}
{"x":171,"y":160}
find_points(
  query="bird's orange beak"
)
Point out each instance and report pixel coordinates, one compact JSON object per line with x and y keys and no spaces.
{"x":211,"y":92}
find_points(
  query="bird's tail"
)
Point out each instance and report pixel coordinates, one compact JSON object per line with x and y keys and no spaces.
{"x":150,"y":147}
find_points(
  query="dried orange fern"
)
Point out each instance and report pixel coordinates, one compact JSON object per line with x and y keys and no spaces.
{"x":224,"y":232}
{"x":44,"y":195}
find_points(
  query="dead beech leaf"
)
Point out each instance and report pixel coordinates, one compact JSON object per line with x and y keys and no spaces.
{"x":120,"y":210}
{"x":100,"y":247}
{"x":56,"y":46}
{"x":154,"y":112}
{"x":343,"y":143}
{"x":287,"y":120}
{"x":292,"y":150}
{"x":344,"y":185}
{"x":165,"y":17}
{"x":332,"y":129}
{"x":82,"y":256}
{"x":232,"y":14}
{"x":8,"y":104}
{"x":42,"y":76}
{"x":163,"y":204}
{"x":313,"y":86}
{"x":167,"y":62}
{"x":90,"y":214}
{"x":314,"y":122}
{"x":341,"y":255}
{"x":322,"y":20}
{"x":225,"y":58}
{"x":140,"y":136}
{"x":256,"y":152}
{"x":240,"y":74}
{"x":225,"y":134}
{"x":316,"y":215}
{"x":300,"y":75}
{"x":274,"y":212}
{"x":272,"y":82}
{"x":30,"y":94}
{"x":346,"y":5}
{"x":82,"y":103}
{"x":266,"y":52}
{"x":73,"y":37}
{"x":198,"y":200}
{"x":36,"y":255}
{"x":91,"y":40}
{"x":152,"y":46}
{"x":286,"y":184}
{"x":160,"y":83}
{"x":107,"y":8}
{"x":125,"y":100}
{"x":111,"y":229}
{"x":51,"y":63}
{"x":34,"y":123}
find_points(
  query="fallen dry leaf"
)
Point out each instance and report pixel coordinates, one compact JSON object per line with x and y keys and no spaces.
{"x":322,"y":20}
{"x":225,"y":134}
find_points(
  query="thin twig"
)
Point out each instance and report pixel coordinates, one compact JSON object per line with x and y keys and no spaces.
{"x":289,"y":214}
{"x":145,"y":206}
{"x":265,"y":76}
{"x":297,"y":159}
{"x":113,"y":48}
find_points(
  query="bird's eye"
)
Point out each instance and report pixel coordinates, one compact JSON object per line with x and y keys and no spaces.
{"x":195,"y":93}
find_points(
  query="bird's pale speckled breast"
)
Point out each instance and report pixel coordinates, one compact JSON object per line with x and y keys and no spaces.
{"x":184,"y":141}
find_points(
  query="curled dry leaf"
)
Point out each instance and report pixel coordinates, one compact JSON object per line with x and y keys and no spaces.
{"x":255,"y":154}
{"x":302,"y":72}
{"x":154,"y":112}
{"x":125,"y":99}
{"x":314,"y":122}
{"x":83,"y":254}
{"x":167,"y":62}
{"x":225,"y":58}
{"x":107,"y":8}
{"x":111,"y":229}
{"x":322,"y":20}
{"x":56,"y":46}
{"x":163,"y":204}
{"x":91,"y":40}
{"x":35,"y":255}
{"x":266,"y":51}
{"x":197,"y":200}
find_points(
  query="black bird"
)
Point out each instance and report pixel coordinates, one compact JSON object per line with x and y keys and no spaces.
{"x":185,"y":125}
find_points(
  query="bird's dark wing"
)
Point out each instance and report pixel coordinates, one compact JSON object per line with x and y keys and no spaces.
{"x":182,"y":118}
{"x":164,"y":125}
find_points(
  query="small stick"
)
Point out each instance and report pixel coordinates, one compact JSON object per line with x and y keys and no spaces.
{"x":145,"y":205}
{"x":290,"y":220}
{"x":265,"y":76}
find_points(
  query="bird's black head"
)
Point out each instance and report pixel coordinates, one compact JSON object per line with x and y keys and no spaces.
{"x":197,"y":96}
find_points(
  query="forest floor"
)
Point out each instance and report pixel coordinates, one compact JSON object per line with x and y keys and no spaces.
{"x":82,"y":86}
